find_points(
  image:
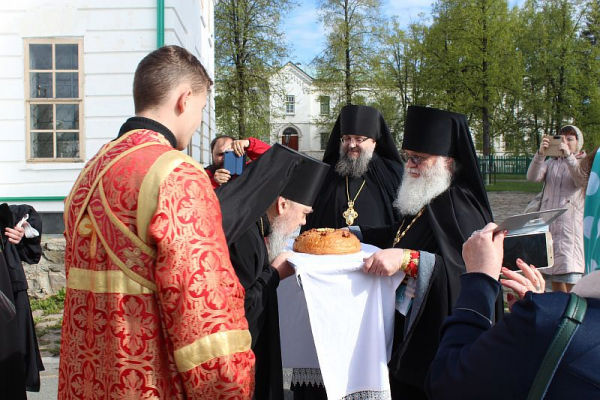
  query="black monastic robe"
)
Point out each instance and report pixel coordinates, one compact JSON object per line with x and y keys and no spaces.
{"x":260,"y":280}
{"x":29,"y":251}
{"x":373,"y":204}
{"x":446,"y":224}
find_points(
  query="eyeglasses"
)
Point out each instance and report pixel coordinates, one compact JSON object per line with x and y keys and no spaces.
{"x":357,"y":140}
{"x":417,"y":160}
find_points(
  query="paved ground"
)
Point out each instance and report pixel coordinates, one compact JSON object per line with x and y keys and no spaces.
{"x":504,"y":204}
{"x":49,"y":389}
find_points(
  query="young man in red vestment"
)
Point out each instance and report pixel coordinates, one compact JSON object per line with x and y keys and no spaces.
{"x":153,"y":308}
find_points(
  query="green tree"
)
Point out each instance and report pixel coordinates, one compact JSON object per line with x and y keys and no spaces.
{"x":561,"y":62}
{"x":250,"y":47}
{"x":472,"y":63}
{"x":587,"y":113}
{"x":397,"y":77}
{"x":343,"y":66}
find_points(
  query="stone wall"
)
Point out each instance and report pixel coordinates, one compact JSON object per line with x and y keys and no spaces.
{"x":48,"y":277}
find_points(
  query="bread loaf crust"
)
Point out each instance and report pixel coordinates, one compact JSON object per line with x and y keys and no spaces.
{"x":327,"y":241}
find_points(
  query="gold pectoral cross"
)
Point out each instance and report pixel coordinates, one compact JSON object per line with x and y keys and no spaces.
{"x":350,"y":214}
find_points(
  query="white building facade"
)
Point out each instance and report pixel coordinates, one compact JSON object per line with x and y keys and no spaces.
{"x":296,"y":106}
{"x":66,"y":72}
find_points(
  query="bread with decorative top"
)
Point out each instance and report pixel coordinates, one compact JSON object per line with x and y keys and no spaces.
{"x":327,"y":241}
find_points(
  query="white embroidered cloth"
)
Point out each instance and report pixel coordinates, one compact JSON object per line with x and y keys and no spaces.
{"x":349,"y":314}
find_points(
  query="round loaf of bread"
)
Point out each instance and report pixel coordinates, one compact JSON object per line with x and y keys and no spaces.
{"x":327,"y":241}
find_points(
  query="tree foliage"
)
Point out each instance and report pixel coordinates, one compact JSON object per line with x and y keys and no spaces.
{"x":343,"y":66}
{"x":249,"y":49}
{"x":517,"y":73}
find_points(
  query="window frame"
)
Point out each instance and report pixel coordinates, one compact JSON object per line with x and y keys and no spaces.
{"x":324,"y":100}
{"x":29,"y":101}
{"x":290,"y":103}
{"x":323,"y":140}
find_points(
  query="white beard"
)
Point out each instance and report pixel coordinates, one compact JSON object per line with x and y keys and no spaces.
{"x":415,"y":193}
{"x":278,"y":238}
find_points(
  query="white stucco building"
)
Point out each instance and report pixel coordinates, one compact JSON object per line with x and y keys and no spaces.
{"x":296,"y":106}
{"x":66,"y":72}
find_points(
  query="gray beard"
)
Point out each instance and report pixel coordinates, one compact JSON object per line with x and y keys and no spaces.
{"x":355,"y":168}
{"x":278,"y":238}
{"x":415,"y":193}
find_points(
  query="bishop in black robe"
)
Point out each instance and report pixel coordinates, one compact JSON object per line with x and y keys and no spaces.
{"x":445,"y":224}
{"x":374,"y":202}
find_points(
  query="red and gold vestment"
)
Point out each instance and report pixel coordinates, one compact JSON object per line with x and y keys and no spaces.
{"x":154,"y":309}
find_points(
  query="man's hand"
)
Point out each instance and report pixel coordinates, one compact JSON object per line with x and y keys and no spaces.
{"x":222,"y":176}
{"x":385,"y":262}
{"x":15,"y":235}
{"x":239,"y":146}
{"x":483,"y":252}
{"x":282,"y":266}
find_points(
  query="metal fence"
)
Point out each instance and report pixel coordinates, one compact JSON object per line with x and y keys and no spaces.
{"x":493,"y":165}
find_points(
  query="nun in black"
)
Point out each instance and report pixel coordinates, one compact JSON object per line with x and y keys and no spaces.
{"x":366,"y":198}
{"x":248,"y":206}
{"x":435,"y":234}
{"x":24,"y":371}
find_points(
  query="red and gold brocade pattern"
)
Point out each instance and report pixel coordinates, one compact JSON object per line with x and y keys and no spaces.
{"x":153,"y":317}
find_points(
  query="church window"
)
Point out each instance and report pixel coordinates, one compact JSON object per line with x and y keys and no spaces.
{"x":290,"y":104}
{"x":324,"y":100}
{"x":54,"y":99}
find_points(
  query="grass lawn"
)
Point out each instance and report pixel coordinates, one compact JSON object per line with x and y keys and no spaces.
{"x":513,"y":183}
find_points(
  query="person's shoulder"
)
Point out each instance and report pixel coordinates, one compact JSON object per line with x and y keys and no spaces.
{"x":387,"y":163}
{"x":174,"y":161}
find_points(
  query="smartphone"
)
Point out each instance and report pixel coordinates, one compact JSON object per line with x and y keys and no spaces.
{"x":233,"y":163}
{"x":553,"y":150}
{"x":533,"y":248}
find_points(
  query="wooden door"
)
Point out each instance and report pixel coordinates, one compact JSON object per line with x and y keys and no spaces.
{"x":293,"y":143}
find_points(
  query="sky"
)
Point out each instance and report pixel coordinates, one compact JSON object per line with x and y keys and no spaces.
{"x":305,"y":34}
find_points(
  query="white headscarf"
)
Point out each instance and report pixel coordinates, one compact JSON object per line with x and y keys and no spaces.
{"x":579,"y":136}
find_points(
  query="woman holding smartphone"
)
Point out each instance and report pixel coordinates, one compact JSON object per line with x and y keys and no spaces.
{"x":563,"y":189}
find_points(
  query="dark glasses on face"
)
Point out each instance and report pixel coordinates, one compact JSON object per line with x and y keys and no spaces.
{"x":417,"y":160}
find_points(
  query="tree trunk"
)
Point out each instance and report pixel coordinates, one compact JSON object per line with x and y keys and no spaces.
{"x":348,"y":72}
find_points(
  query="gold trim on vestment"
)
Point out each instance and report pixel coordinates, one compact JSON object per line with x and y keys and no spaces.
{"x":121,"y":226}
{"x":104,"y":282}
{"x":85,"y":170}
{"x":148,"y":196}
{"x":101,"y":174}
{"x":218,"y":344}
{"x":139,"y":279}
